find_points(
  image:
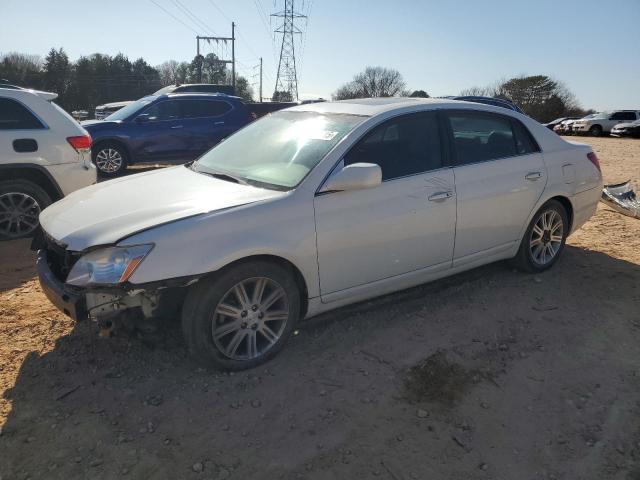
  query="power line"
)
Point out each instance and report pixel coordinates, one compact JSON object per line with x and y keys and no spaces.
{"x":199,"y":23}
{"x":173,"y":16}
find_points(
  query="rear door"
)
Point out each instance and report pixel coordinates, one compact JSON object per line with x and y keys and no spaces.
{"x":499,"y":176}
{"x":206,"y":122}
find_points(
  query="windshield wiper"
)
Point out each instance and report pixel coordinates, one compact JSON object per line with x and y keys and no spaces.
{"x":224,"y":176}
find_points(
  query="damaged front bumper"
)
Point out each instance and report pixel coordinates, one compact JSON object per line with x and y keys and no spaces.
{"x":106,"y":303}
{"x":622,"y":198}
{"x":71,"y":302}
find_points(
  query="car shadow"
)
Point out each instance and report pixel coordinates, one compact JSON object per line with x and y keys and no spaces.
{"x":94,"y":408}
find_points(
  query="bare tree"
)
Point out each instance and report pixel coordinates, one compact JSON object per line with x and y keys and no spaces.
{"x":372,"y":82}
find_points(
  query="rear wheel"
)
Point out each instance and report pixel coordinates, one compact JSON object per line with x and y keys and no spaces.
{"x":544,"y":239}
{"x":21,"y":202}
{"x":110,"y":159}
{"x":242,"y":317}
{"x":595,"y":131}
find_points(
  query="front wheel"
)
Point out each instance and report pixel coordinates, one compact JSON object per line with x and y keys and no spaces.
{"x":595,"y":131}
{"x":242,"y":317}
{"x":544,"y":239}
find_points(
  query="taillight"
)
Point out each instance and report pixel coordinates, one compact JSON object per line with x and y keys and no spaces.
{"x":80,"y":143}
{"x":593,"y":158}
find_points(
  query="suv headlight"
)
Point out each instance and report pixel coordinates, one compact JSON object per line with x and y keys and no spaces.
{"x":107,"y":266}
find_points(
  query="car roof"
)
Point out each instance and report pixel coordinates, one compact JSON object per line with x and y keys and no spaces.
{"x":375,"y":106}
{"x":218,"y":96}
{"x":26,"y":93}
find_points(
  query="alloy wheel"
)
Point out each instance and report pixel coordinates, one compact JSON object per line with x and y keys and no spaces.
{"x":109,"y":160}
{"x":546,"y":237}
{"x":18,"y":214}
{"x":250,"y":318}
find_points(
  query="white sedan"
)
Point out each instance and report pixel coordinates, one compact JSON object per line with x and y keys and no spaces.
{"x":312,"y":208}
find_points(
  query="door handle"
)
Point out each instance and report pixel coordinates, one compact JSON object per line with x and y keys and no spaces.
{"x":533,"y":176}
{"x":176,"y":126}
{"x":440,"y":196}
{"x":219,"y":123}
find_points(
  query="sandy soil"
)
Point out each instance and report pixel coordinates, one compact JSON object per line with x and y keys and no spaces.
{"x":491,"y":374}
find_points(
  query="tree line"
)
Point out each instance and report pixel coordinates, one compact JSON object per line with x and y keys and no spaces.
{"x":539,"y":96}
{"x":96,"y":79}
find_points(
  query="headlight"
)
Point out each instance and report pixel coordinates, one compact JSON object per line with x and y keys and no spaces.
{"x":107,"y":266}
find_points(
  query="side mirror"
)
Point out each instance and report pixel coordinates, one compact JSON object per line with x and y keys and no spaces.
{"x":354,"y":177}
{"x":142,"y":118}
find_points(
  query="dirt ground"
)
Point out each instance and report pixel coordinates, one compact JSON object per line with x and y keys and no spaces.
{"x":491,"y":374}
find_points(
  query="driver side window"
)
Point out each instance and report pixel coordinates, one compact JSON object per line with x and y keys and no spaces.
{"x":403,"y":146}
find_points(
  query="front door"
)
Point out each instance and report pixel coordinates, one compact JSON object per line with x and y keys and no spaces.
{"x":499,"y":175}
{"x":405,"y":224}
{"x":163,"y":135}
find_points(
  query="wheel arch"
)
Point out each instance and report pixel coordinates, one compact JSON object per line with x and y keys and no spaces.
{"x":295,"y":271}
{"x":36,"y":174}
{"x":568,"y":207}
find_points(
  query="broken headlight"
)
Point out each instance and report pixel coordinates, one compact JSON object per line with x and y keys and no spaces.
{"x":107,"y":266}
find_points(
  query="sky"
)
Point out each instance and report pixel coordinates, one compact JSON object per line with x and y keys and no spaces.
{"x":592,"y":46}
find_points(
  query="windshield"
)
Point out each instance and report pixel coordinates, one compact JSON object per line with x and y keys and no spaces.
{"x":130,"y":109}
{"x":278,"y":150}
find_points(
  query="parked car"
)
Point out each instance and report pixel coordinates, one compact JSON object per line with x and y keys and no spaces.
{"x":80,"y":114}
{"x":312,"y":208}
{"x":496,"y":102}
{"x":103,"y":111}
{"x":564,"y":127}
{"x":630,"y":129}
{"x":601,"y":123}
{"x":44,"y":155}
{"x":552,"y":124}
{"x":170,"y":127}
{"x":196,"y":87}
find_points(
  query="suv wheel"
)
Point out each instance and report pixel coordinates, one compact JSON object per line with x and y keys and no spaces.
{"x":110,"y":159}
{"x":20,"y":205}
{"x":595,"y":131}
{"x":544,"y":239}
{"x":242,"y":317}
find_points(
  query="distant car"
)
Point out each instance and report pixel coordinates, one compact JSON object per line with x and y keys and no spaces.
{"x":44,"y":155}
{"x":551,"y":125}
{"x":174,"y":127}
{"x":602,"y":123}
{"x":564,"y":127}
{"x":80,"y":114}
{"x":313,"y":208}
{"x":496,"y":102}
{"x":103,"y":111}
{"x":627,"y":129}
{"x":196,"y":87}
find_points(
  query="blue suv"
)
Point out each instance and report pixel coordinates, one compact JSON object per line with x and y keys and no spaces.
{"x":176,"y":127}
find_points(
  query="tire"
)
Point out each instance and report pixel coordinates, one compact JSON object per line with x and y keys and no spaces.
{"x":595,"y":131}
{"x":529,"y":257}
{"x":110,"y":158}
{"x":21,"y":202}
{"x":201,"y":314}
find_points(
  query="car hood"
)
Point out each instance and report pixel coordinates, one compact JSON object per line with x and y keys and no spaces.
{"x":624,"y":125}
{"x":109,"y":211}
{"x":97,"y":124}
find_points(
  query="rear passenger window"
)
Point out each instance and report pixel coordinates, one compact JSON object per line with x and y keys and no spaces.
{"x":15,"y":116}
{"x":524,"y":141}
{"x":480,"y":137}
{"x":213,"y":108}
{"x":404,"y":146}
